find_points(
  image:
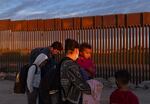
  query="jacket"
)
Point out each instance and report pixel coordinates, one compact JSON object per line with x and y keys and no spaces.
{"x":72,"y":82}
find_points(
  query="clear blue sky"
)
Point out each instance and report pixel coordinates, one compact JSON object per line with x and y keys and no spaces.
{"x":34,"y":9}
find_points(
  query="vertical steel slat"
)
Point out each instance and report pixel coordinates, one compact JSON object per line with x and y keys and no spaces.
{"x":124,"y":47}
{"x":109,"y":50}
{"x":93,"y":37}
{"x":34,"y":39}
{"x":130,"y":51}
{"x":118,"y":44}
{"x":97,"y":53}
{"x":98,"y":38}
{"x":115,"y":50}
{"x":119,"y":51}
{"x":142,"y":55}
{"x":99,"y":35}
{"x":104,"y":52}
{"x":127,"y":48}
{"x":95,"y":46}
{"x":133,"y":54}
{"x":146,"y":51}
{"x":0,"y":50}
{"x":136,"y":55}
{"x":105,"y":40}
{"x":118,"y":48}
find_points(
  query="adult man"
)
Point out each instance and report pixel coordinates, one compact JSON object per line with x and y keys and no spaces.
{"x":73,"y":84}
{"x":50,"y":52}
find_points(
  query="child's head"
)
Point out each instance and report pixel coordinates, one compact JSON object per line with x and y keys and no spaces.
{"x":122,"y":78}
{"x":85,"y":50}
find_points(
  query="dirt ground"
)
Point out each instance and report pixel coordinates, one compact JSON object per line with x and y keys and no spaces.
{"x":8,"y":97}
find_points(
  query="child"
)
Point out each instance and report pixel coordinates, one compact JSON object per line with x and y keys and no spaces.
{"x":123,"y":95}
{"x":85,"y":62}
{"x":88,"y":72}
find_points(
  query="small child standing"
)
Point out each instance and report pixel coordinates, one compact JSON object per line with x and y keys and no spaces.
{"x":87,"y":66}
{"x":88,"y":72}
{"x":123,"y":95}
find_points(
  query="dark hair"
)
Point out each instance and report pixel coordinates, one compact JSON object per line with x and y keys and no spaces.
{"x":57,"y":45}
{"x":123,"y":76}
{"x":70,"y":44}
{"x":85,"y":45}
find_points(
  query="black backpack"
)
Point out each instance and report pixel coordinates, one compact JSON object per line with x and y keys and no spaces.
{"x":21,"y":79}
{"x":51,"y":80}
{"x":34,"y":53}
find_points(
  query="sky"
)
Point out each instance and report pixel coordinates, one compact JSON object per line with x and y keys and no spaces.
{"x":42,"y":9}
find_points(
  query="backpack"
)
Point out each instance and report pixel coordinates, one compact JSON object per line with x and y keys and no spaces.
{"x":51,"y":80}
{"x":34,"y":53}
{"x":21,"y":79}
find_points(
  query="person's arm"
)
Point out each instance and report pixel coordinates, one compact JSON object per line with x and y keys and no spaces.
{"x":76,"y":78}
{"x":30,"y":77}
{"x":91,"y":69}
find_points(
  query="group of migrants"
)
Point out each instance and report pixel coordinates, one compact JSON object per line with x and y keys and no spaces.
{"x":71,"y":80}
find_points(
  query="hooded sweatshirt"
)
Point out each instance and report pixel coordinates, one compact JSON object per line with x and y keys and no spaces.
{"x":33,"y":79}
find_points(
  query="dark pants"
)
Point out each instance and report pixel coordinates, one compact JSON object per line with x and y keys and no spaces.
{"x":46,"y":98}
{"x":67,"y":102}
{"x":32,"y":97}
{"x":41,"y":98}
{"x":55,"y":98}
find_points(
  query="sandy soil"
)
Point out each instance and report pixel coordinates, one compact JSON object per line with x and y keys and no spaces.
{"x":8,"y":97}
